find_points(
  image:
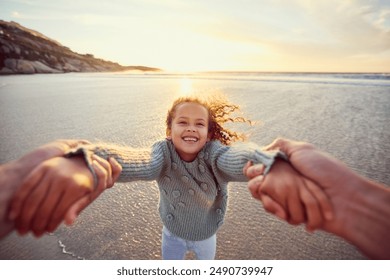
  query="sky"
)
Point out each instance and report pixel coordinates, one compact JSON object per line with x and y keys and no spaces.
{"x":218,"y":35}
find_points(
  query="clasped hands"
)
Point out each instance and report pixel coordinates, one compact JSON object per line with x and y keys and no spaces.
{"x":51,"y":188}
{"x":57,"y":189}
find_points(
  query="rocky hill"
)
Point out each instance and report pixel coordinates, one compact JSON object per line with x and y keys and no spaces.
{"x":25,"y":51}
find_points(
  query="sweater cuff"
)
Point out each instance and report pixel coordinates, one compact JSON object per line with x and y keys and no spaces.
{"x":87,"y":156}
{"x":269,"y":158}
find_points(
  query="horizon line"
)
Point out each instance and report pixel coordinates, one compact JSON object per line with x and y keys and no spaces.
{"x":269,"y":72}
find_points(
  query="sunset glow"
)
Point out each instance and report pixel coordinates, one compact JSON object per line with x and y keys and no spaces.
{"x":297,"y":35}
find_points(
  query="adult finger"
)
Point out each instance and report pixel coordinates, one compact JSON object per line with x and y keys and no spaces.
{"x":245,"y":168}
{"x":277,"y":144}
{"x":67,"y":200}
{"x":284,"y":145}
{"x":31,"y":204}
{"x":29,"y":183}
{"x":45,"y":211}
{"x":70,"y":143}
{"x":254,"y":170}
{"x":57,"y":148}
{"x":101,"y":172}
{"x":289,"y":146}
{"x":312,"y":209}
{"x":295,"y":208}
{"x":75,"y":209}
{"x":273,"y":207}
{"x":116,"y":170}
{"x":105,"y":174}
{"x":254,"y":186}
{"x":74,"y":143}
{"x":322,"y":199}
{"x":60,"y":196}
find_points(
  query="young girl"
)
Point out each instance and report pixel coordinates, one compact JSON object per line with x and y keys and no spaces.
{"x":192,"y":167}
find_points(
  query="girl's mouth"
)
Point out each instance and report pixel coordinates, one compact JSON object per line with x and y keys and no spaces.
{"x":190,"y":139}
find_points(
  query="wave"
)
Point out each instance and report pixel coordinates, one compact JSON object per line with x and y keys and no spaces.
{"x":368,"y":79}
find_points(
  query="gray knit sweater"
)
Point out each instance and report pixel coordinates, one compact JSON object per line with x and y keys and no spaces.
{"x":193,"y":195}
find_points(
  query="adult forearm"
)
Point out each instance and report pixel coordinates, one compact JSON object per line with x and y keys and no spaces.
{"x":371,"y":227}
{"x":14,"y":172}
{"x":26,"y":163}
{"x":7,"y":189}
{"x":365,"y":220}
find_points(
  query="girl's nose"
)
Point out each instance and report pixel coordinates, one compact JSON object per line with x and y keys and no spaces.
{"x":191,"y":129}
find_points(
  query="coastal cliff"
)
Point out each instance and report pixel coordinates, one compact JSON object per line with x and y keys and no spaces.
{"x":25,"y":51}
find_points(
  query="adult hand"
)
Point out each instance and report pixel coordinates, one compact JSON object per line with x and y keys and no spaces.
{"x":322,"y":174}
{"x":14,"y":172}
{"x":52,"y":187}
{"x":361,"y":206}
{"x":290,"y":196}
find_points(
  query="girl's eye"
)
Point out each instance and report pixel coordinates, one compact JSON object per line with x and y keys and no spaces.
{"x":200,"y":124}
{"x":182,"y":122}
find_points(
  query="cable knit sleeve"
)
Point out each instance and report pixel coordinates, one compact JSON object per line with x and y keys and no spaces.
{"x":137,"y":164}
{"x":228,"y":161}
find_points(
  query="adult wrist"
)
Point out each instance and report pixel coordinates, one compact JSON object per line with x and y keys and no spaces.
{"x":362,"y":217}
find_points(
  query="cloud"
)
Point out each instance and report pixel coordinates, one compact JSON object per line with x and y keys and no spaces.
{"x":237,"y":33}
{"x":383,"y":20}
{"x":312,"y":34}
{"x":351,"y":25}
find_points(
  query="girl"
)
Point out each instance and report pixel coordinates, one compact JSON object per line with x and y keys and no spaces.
{"x":192,"y":167}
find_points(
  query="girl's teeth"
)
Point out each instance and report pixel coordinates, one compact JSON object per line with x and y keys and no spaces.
{"x":190,"y":139}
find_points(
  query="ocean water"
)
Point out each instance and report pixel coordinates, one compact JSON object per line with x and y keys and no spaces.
{"x":347,"y":115}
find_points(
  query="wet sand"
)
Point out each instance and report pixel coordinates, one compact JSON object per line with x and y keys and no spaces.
{"x":349,"y":121}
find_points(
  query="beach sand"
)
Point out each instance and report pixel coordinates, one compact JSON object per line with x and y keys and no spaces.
{"x":349,"y":121}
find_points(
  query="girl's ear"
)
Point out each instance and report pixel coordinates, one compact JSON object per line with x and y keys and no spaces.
{"x":168,"y":133}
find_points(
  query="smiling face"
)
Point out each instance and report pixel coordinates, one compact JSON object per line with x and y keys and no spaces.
{"x":189,"y":129}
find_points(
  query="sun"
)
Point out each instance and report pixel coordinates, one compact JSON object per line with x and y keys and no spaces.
{"x":186,"y":86}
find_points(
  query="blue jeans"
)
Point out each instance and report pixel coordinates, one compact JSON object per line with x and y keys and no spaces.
{"x":175,"y":248}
